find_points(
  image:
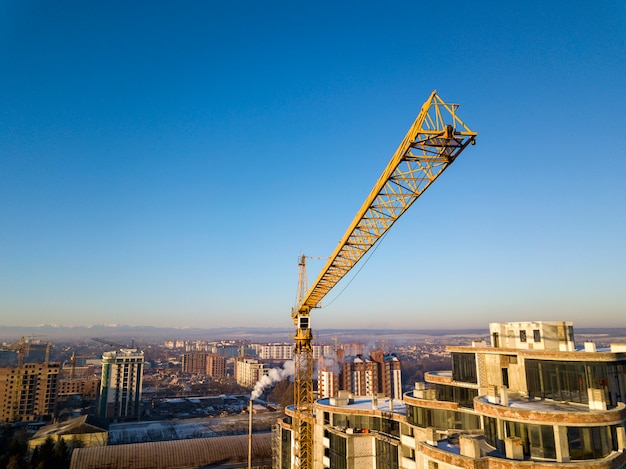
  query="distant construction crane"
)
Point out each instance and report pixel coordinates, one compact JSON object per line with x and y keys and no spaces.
{"x":73,"y":363}
{"x":112,"y":344}
{"x":433,"y":142}
{"x":23,"y":348}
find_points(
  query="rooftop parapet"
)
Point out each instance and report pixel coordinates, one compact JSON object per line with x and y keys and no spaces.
{"x":533,"y":335}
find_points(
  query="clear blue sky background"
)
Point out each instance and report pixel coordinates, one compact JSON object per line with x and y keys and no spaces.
{"x":165,"y":163}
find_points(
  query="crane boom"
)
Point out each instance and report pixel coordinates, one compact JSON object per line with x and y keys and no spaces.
{"x":429,"y":147}
{"x":433,"y":142}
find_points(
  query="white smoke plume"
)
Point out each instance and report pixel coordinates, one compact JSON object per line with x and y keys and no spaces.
{"x":273,"y":376}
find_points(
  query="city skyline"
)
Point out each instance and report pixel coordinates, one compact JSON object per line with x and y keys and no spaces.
{"x":166,"y":165}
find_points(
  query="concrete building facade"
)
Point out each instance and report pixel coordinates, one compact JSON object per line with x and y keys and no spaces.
{"x":279,"y":351}
{"x":248,"y":371}
{"x":120,"y":389}
{"x":85,"y":386}
{"x":531,"y":399}
{"x":28,"y":392}
{"x":327,"y":381}
{"x":206,"y":363}
{"x":389,"y":374}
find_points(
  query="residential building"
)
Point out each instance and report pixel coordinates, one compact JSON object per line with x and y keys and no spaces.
{"x":321,"y":351}
{"x":276,"y":351}
{"x":248,"y":371}
{"x":360,"y":376}
{"x":79,"y":381}
{"x":389,"y":374}
{"x":327,"y":381}
{"x":206,"y":363}
{"x":28,"y":392}
{"x":532,"y":398}
{"x":120,"y":389}
{"x":84,"y":386}
{"x":369,"y":376}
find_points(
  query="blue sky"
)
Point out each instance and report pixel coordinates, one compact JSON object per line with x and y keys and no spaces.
{"x":166,"y":163}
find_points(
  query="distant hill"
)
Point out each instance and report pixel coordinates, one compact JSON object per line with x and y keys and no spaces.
{"x":126,"y":334}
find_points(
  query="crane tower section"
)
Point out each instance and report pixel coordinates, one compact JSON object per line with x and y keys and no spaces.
{"x":434,"y":140}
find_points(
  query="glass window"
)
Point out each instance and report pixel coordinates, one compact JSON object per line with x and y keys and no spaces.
{"x":386,"y":455}
{"x":464,"y":367}
{"x":537,"y":440}
{"x":439,"y":419}
{"x":537,"y":335}
{"x":337,"y":451}
{"x":590,"y":442}
{"x":522,"y":336}
{"x":568,"y":381}
{"x":491,"y":432}
{"x":464,"y":396}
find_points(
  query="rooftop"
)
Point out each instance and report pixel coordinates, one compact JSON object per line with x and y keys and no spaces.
{"x":365,"y":403}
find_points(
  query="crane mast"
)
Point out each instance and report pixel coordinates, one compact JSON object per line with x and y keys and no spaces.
{"x":432,"y":143}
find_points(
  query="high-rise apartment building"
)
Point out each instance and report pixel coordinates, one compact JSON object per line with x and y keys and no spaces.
{"x":206,"y":363}
{"x":275,"y":351}
{"x":327,"y":381}
{"x":120,"y":389}
{"x":532,"y":399}
{"x":248,"y":371}
{"x":389,"y":374}
{"x":360,"y":376}
{"x":28,"y":392}
{"x":284,"y":351}
{"x":368,"y":376}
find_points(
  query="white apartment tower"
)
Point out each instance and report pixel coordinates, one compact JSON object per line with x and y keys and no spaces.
{"x":248,"y":371}
{"x":120,"y":389}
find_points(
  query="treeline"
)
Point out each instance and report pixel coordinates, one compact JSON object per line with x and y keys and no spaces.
{"x":14,"y":452}
{"x":413,"y":370}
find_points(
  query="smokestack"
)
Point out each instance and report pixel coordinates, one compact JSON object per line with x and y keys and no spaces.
{"x":250,"y":435}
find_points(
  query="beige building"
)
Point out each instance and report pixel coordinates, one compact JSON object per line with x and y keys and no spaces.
{"x":28,"y":392}
{"x":79,"y":381}
{"x":277,"y":351}
{"x":248,"y":371}
{"x":531,"y":399}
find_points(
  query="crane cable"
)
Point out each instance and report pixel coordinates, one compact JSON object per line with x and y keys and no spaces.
{"x":367,"y":259}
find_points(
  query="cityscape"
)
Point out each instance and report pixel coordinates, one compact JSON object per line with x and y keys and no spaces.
{"x":102,"y":398}
{"x":228,"y":240}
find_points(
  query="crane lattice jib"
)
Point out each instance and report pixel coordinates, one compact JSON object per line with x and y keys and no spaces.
{"x":432,"y":143}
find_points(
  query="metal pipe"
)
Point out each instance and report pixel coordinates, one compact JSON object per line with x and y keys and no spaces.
{"x":250,"y":435}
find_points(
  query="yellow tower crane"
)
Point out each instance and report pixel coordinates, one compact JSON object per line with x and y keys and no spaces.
{"x":434,"y":140}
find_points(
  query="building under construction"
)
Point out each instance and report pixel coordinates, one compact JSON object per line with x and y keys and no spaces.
{"x":28,"y":382}
{"x":532,"y":398}
{"x":28,"y":392}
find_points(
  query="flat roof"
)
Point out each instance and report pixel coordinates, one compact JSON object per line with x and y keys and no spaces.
{"x":365,"y":403}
